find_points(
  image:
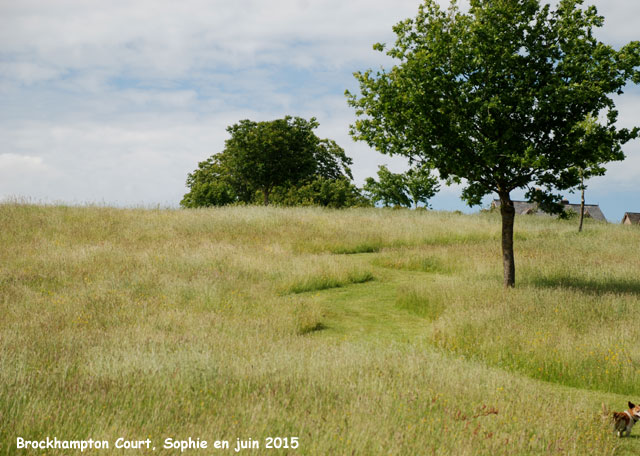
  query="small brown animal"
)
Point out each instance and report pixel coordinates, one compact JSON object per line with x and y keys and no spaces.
{"x":624,"y":421}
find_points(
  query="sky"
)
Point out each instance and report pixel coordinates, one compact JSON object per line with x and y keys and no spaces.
{"x":115,"y":102}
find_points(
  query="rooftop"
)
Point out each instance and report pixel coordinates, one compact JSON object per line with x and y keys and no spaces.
{"x":633,"y":217}
{"x":527,"y":207}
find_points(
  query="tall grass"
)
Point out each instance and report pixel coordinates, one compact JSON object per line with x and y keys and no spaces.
{"x":253,"y":322}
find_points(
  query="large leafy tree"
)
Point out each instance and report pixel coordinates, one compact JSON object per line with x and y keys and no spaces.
{"x":496,"y":98}
{"x":265,"y":155}
{"x":282,"y":157}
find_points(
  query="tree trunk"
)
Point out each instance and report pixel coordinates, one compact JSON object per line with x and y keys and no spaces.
{"x":266,"y":196}
{"x":508,"y":213}
{"x":581,"y":204}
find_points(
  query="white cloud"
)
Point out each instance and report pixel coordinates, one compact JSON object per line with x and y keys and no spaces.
{"x":20,"y":175}
{"x":621,"y":20}
{"x":27,"y":72}
{"x":16,"y":164}
{"x":166,"y":39}
{"x":117,"y":101}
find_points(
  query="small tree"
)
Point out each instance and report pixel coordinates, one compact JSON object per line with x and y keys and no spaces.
{"x":390,"y":189}
{"x":589,"y":127}
{"x":421,"y":185}
{"x":495,"y":96}
{"x":415,"y":186}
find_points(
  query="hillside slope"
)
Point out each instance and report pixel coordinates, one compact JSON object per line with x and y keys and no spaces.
{"x":360,"y":332}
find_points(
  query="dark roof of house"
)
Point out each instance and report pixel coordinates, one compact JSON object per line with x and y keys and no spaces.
{"x":527,"y":207}
{"x":592,"y":210}
{"x":521,"y":207}
{"x":634,"y":217}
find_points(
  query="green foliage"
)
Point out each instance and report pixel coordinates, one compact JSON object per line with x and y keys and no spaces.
{"x":268,"y":154}
{"x":421,"y":185}
{"x":568,"y":214}
{"x":330,"y":161}
{"x":281,"y":161}
{"x":391,"y":189}
{"x":321,"y":191}
{"x":497,"y":96}
{"x":209,"y":186}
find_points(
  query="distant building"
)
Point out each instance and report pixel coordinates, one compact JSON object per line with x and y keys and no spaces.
{"x":631,"y":218}
{"x":526,"y":208}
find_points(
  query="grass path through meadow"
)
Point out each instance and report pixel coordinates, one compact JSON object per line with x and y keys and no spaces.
{"x":250,"y":322}
{"x":370,"y":313}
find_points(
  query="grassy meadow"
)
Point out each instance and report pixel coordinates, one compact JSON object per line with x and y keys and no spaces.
{"x":361,"y":332}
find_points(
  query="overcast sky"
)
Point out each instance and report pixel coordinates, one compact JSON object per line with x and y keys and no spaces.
{"x":114,"y":102}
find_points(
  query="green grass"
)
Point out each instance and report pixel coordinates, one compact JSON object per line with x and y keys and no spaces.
{"x":360,"y":332}
{"x":325,"y":280}
{"x":421,"y":302}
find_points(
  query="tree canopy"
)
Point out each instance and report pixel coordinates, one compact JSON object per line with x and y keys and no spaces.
{"x":389,"y":189}
{"x":421,"y":185}
{"x":415,"y":186}
{"x":282,"y":158}
{"x":495,"y":98}
{"x":264,"y":155}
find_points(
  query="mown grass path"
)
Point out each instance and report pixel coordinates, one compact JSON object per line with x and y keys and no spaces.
{"x":371,"y":313}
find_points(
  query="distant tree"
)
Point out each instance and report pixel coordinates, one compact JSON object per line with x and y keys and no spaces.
{"x":590,"y":128}
{"x":421,"y":185}
{"x":209,"y":185}
{"x":283,"y":158}
{"x":331,"y":162}
{"x":264,"y":155}
{"x":495,"y":96}
{"x":321,"y":191}
{"x":415,"y":186}
{"x":390,"y":189}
